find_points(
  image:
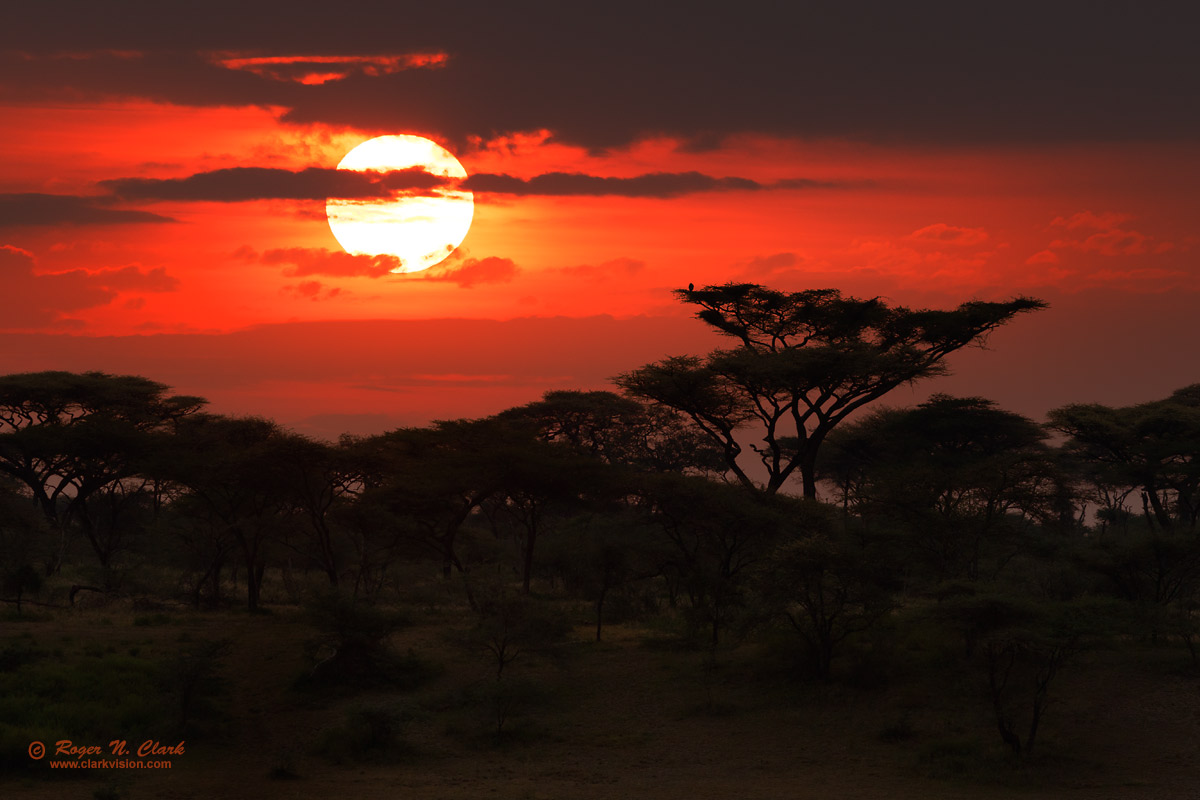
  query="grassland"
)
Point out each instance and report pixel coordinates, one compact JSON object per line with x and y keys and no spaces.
{"x":642,"y":714}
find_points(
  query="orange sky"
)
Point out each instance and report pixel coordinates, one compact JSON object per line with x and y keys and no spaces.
{"x":241,"y":300}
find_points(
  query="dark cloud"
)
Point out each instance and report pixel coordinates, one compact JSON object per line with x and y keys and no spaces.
{"x":302,"y":262}
{"x":312,"y":290}
{"x":59,"y":209}
{"x":655,"y":184}
{"x":471,"y":271}
{"x":928,"y":72}
{"x":314,"y":70}
{"x":262,"y":183}
{"x":31,"y":299}
{"x":1102,"y":234}
{"x":299,"y":262}
{"x":775,"y":269}
{"x":238,"y":184}
{"x":942,"y":234}
{"x":616,"y":268}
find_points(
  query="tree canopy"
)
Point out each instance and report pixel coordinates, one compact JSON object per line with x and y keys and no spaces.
{"x":1151,"y":447}
{"x":78,"y":442}
{"x":804,"y":361}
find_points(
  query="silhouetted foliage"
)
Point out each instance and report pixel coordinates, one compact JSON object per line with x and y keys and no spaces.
{"x":1152,"y":448}
{"x":542,"y":483}
{"x":355,"y":646}
{"x":25,"y":546}
{"x":241,"y":479}
{"x":429,"y":481}
{"x":1020,"y":646}
{"x":323,"y":478}
{"x":804,"y":362}
{"x":717,"y":535}
{"x":961,"y":541}
{"x":509,"y":624}
{"x":618,"y":430}
{"x":957,"y":479}
{"x":828,"y":588}
{"x":192,"y":681}
{"x":78,"y":442}
{"x":600,"y":555}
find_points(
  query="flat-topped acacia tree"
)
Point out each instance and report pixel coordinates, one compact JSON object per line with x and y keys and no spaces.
{"x":81,"y":444}
{"x":804,"y":362}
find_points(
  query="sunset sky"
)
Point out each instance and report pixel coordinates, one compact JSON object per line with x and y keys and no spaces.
{"x":164,"y":175}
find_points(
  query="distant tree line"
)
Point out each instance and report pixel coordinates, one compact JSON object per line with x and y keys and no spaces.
{"x":1023,"y":543}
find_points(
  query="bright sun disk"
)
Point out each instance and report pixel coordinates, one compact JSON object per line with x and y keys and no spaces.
{"x":419,"y":230}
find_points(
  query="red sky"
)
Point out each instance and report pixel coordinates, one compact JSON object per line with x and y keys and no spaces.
{"x":930,"y":158}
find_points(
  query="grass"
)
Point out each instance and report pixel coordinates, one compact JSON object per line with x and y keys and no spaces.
{"x":88,"y":688}
{"x":630,"y":716}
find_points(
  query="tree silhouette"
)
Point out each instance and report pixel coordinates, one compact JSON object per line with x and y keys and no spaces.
{"x":539,"y":482}
{"x":828,"y":589}
{"x":804,"y":362}
{"x":430,"y":481}
{"x":322,"y":476}
{"x":954,"y":477}
{"x":79,"y":442}
{"x":717,"y":536}
{"x":1153,"y":448}
{"x":619,"y":430}
{"x":1021,"y":645}
{"x":24,"y":544}
{"x":241,"y":477}
{"x":1150,"y":451}
{"x":598,"y":554}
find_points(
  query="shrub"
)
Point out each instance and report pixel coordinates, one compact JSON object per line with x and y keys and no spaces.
{"x":367,"y":734}
{"x":361,"y":658}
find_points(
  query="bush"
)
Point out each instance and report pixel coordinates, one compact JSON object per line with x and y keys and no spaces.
{"x":368,"y":734}
{"x":74,"y":696}
{"x":355,"y":635}
{"x":191,"y":682}
{"x":510,"y":624}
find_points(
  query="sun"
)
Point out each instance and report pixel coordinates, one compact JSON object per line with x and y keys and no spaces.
{"x":419,"y":229}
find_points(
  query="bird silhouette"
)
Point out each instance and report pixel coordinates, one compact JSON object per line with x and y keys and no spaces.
{"x":691,"y":287}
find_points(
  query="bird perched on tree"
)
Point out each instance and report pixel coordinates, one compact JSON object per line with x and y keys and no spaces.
{"x":691,"y":287}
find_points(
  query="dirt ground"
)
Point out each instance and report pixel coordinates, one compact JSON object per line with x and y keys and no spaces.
{"x":633,"y":718}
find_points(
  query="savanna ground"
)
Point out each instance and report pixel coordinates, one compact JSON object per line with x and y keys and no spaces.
{"x":641,"y":714}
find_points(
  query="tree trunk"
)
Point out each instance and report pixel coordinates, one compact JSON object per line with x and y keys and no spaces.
{"x":251,"y":592}
{"x":1161,"y":515}
{"x":600,"y":611}
{"x":530,"y":540}
{"x":716,"y":623}
{"x":808,"y":473}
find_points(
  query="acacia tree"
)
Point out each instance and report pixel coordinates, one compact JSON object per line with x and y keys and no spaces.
{"x":828,"y":589}
{"x":716,"y":537}
{"x":323,"y":479}
{"x":599,"y":555}
{"x":540,"y":482}
{"x":957,"y":476}
{"x":1020,"y":645}
{"x":79,"y":443}
{"x":1149,"y":451}
{"x":241,"y":479}
{"x":23,"y":543}
{"x":619,"y":430}
{"x":804,"y":362}
{"x":427,"y":483}
{"x":1152,"y":448}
